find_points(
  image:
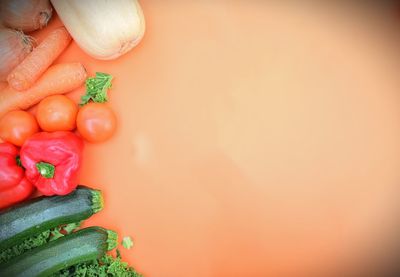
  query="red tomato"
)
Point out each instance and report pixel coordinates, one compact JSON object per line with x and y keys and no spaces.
{"x":57,"y":113}
{"x":17,"y":126}
{"x":96,"y":122}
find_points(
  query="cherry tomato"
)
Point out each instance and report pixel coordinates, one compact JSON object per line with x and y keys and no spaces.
{"x":96,"y":122}
{"x":17,"y":126}
{"x":57,"y":113}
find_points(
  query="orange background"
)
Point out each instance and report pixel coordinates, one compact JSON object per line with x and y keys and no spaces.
{"x":254,"y":139}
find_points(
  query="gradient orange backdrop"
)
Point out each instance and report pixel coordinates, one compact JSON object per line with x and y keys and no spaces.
{"x":254,"y":139}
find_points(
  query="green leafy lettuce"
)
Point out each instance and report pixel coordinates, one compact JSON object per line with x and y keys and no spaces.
{"x":107,"y":266}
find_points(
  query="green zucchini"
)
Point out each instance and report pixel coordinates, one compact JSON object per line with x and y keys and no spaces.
{"x":82,"y":246}
{"x":43,"y":213}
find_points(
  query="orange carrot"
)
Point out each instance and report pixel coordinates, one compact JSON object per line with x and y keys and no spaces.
{"x":36,"y":63}
{"x":58,"y":79}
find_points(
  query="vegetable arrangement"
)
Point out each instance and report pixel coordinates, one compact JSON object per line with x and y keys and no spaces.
{"x":33,"y":66}
{"x":47,"y":244}
{"x":58,"y":79}
{"x":43,"y":151}
{"x":84,"y":245}
{"x":60,"y":210}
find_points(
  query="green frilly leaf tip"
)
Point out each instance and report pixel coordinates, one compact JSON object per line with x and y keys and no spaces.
{"x":127,"y":242}
{"x":112,"y":240}
{"x":97,"y":201}
{"x":97,"y":88}
{"x":69,"y":228}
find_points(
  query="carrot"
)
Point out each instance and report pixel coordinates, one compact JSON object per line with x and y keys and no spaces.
{"x":58,"y":79}
{"x":36,"y":63}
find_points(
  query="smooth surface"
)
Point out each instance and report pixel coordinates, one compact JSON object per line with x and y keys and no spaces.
{"x":253,"y":139}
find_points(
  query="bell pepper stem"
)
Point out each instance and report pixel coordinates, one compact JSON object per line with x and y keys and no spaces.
{"x":18,"y":159}
{"x":46,"y":170}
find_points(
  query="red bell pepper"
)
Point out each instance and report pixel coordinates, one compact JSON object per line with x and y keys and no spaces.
{"x":14,"y":187}
{"x":52,"y":161}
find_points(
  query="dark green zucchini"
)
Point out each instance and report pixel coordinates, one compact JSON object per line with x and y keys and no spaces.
{"x":43,"y":213}
{"x":82,"y":246}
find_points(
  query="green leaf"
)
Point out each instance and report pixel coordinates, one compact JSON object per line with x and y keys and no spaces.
{"x":25,"y":245}
{"x":96,"y":88}
{"x":36,"y":241}
{"x":69,"y":228}
{"x":127,"y":242}
{"x":106,"y":266}
{"x":56,"y":233}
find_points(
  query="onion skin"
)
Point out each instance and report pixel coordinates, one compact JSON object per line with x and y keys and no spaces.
{"x":25,"y":15}
{"x":104,"y":29}
{"x":14,"y":47}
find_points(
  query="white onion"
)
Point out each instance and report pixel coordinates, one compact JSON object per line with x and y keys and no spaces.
{"x":25,"y":15}
{"x":104,"y":29}
{"x":14,"y":47}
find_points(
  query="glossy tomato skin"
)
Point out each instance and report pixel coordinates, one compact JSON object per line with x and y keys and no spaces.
{"x":57,"y":113}
{"x":96,"y":122}
{"x":17,"y":126}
